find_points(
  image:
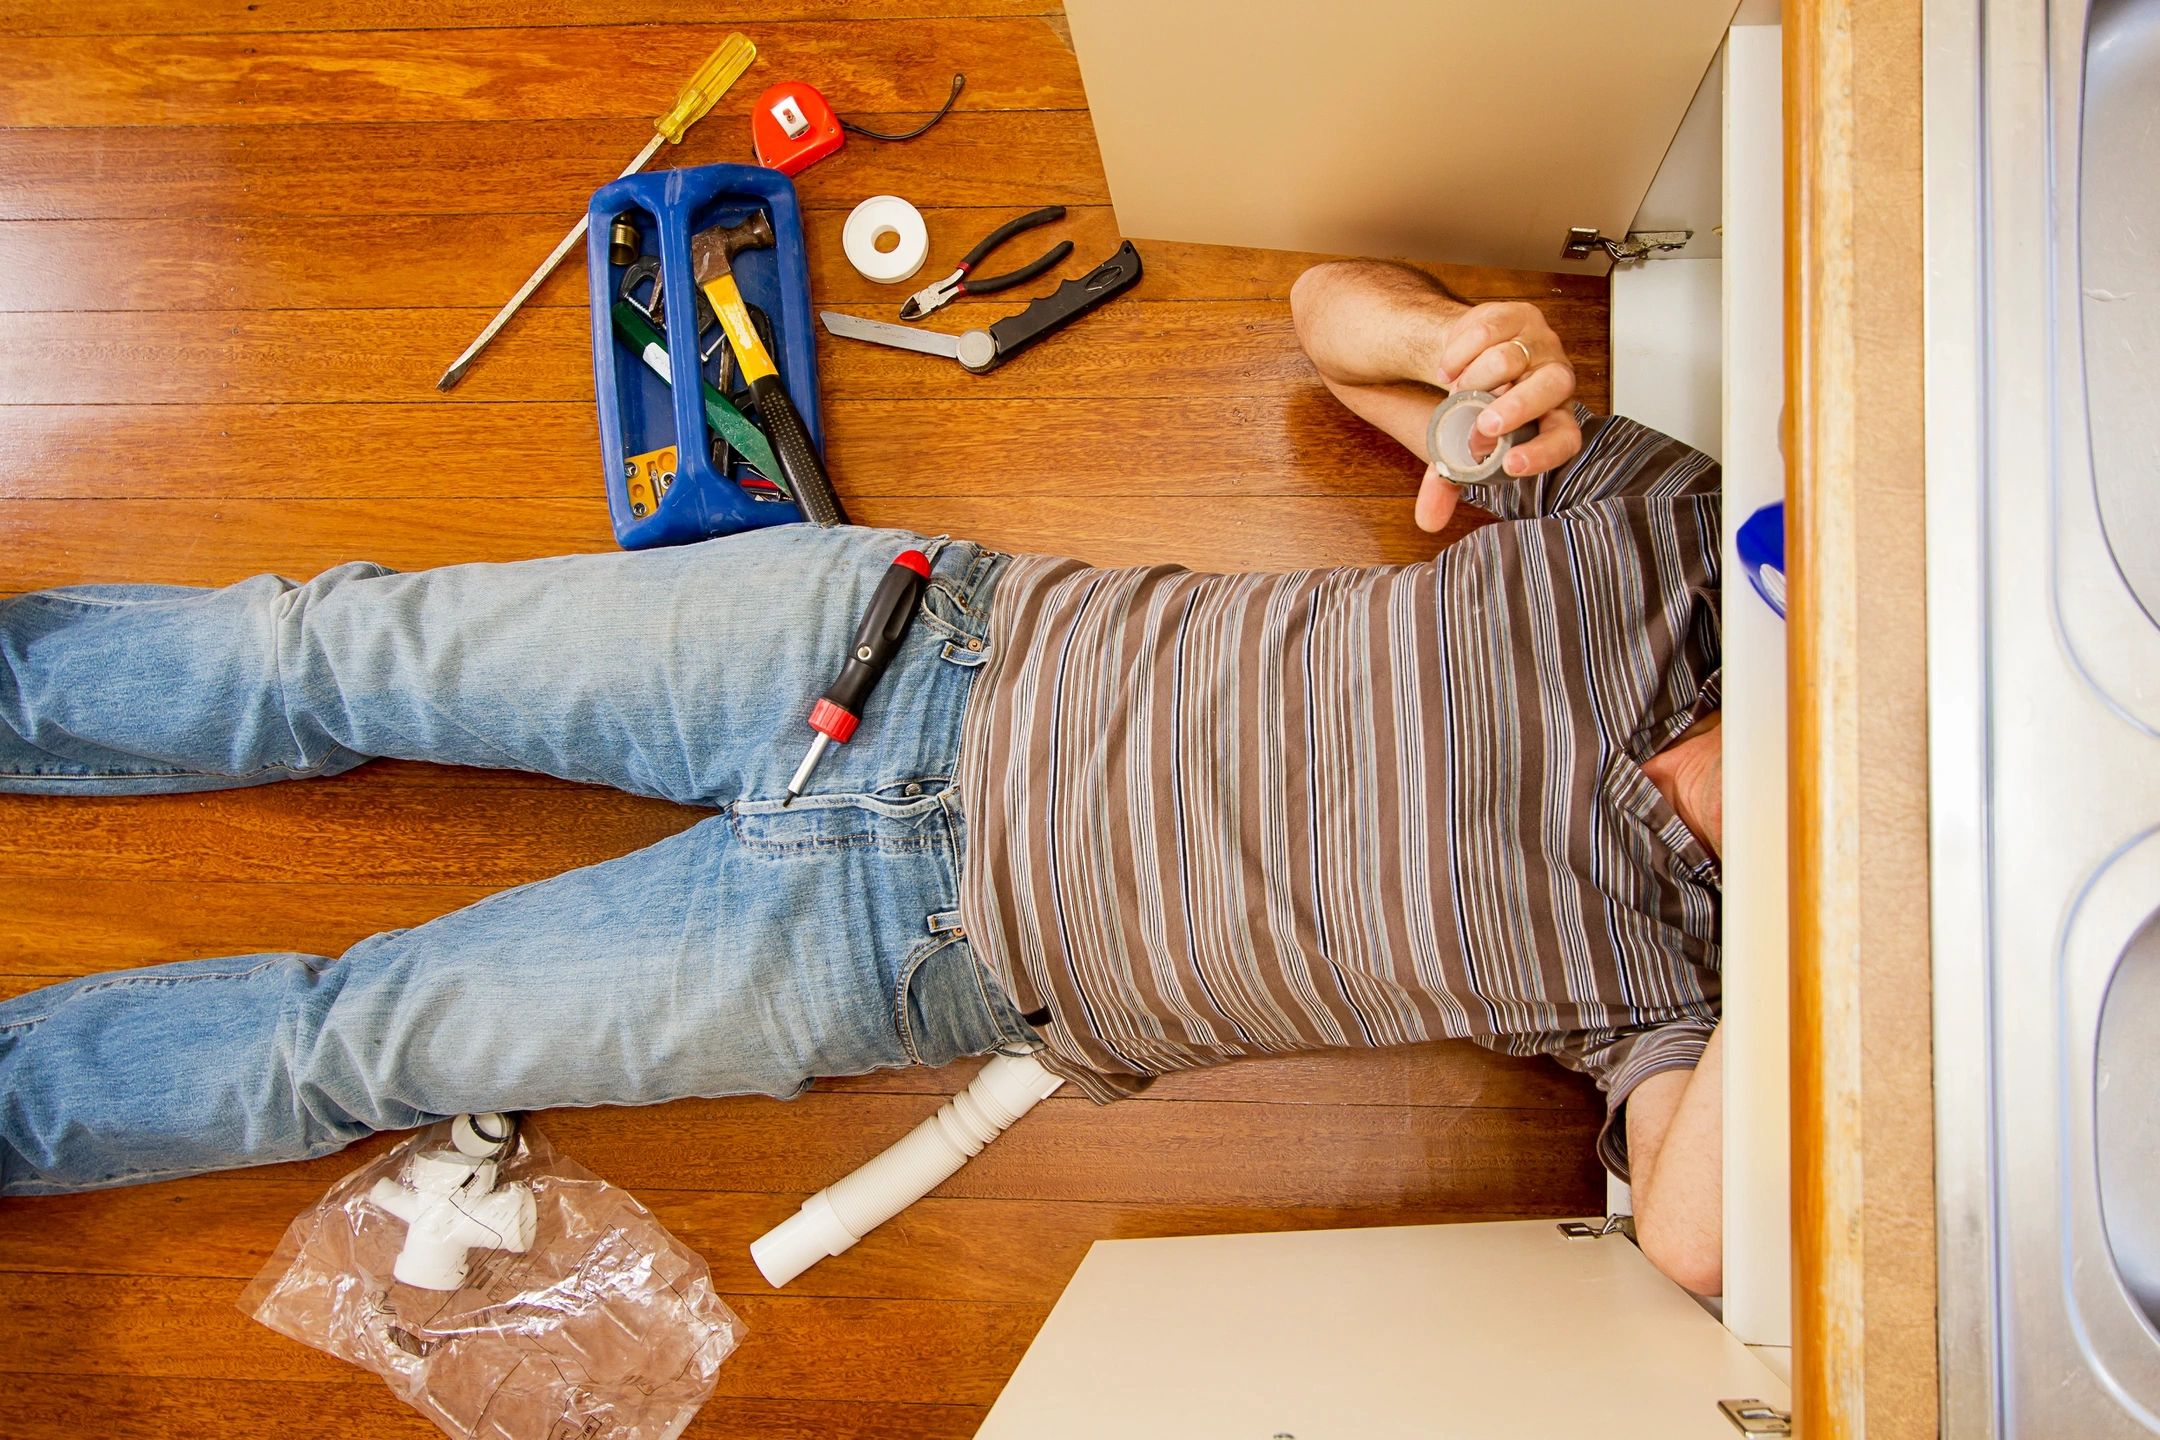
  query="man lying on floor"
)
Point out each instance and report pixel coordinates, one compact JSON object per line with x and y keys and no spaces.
{"x":1141,"y":819}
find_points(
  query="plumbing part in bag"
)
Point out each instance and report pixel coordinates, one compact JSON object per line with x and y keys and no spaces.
{"x":873,"y":220}
{"x":836,"y":1217}
{"x":484,"y":1136}
{"x":605,"y":1328}
{"x":1453,"y":426}
{"x":451,"y":1207}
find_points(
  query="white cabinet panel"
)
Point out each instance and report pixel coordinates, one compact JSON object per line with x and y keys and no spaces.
{"x":1666,"y":361}
{"x":1432,"y":1332}
{"x":1758,"y":1093}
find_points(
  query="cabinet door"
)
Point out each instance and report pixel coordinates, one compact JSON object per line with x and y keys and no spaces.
{"x":1428,"y":129}
{"x":1506,"y":1331}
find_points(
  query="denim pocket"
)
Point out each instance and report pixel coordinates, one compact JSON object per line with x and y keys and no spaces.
{"x":817,"y":823}
{"x":942,"y":1008}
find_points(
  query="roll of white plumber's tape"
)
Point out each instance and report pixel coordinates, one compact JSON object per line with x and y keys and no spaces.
{"x":872,"y":221}
{"x":1447,"y":438}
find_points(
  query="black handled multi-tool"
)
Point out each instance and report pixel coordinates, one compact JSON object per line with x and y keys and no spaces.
{"x":982,"y":350}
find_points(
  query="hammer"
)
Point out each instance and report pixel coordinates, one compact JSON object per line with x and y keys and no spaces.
{"x":800,"y":465}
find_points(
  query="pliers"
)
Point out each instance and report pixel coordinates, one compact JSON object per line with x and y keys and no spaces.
{"x":953,"y":286}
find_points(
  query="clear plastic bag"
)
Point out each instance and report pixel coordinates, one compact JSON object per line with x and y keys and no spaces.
{"x":502,"y":1291}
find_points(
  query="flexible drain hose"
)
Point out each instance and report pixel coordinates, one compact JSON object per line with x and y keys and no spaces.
{"x":841,"y":1214}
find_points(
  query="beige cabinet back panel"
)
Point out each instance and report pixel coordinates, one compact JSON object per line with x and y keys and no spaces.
{"x":1503,"y":1331}
{"x":1426,"y":129}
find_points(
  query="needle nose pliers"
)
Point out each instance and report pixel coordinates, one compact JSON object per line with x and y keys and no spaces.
{"x":953,"y":286}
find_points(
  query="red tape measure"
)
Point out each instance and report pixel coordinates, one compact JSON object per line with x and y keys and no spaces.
{"x":792,"y":128}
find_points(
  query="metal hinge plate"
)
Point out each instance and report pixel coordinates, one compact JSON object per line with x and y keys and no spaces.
{"x":1582,"y":239}
{"x":1614,"y":1225}
{"x":1754,"y":1418}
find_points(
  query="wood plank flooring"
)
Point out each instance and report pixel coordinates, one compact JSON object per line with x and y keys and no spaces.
{"x":238,"y":241}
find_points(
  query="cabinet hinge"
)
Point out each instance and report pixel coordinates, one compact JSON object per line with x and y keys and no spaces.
{"x":1753,"y":1417}
{"x":1639,"y":244}
{"x":1614,"y":1225}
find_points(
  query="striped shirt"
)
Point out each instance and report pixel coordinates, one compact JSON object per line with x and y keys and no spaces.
{"x":1213,"y":816}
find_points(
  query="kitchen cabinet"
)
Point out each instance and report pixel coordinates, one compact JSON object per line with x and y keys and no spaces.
{"x":1473,"y":133}
{"x":1512,"y":1329}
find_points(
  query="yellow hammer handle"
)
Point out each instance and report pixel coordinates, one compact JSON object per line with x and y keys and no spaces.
{"x":802,"y":469}
{"x":750,"y":352}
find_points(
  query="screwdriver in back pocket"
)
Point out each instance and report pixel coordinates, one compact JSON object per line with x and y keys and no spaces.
{"x":839,"y":710}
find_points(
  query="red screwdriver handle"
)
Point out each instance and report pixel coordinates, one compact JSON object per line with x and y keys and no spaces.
{"x":884,"y":625}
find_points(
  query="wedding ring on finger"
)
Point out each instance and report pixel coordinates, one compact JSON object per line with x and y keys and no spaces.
{"x":1528,"y":364}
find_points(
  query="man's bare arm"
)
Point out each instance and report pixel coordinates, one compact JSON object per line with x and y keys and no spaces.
{"x":1675,"y":1135}
{"x":1389,"y":341}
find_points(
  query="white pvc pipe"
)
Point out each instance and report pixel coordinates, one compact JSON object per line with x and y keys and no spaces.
{"x":836,"y":1217}
{"x":450,"y":1207}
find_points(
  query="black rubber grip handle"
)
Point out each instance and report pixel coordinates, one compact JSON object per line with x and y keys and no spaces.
{"x":802,"y":469}
{"x":1067,"y":303}
{"x":1011,"y":278}
{"x":1009,"y":229}
{"x":884,"y":625}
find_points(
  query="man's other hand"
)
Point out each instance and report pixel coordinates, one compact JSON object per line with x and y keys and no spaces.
{"x":1507,"y":348}
{"x":1388,"y":340}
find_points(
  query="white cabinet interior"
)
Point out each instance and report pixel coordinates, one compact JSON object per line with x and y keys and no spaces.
{"x":1698,"y":352}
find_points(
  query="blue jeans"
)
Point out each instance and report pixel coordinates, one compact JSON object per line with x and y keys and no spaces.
{"x":755,"y":950}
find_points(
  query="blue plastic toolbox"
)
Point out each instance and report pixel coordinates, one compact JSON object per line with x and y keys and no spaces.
{"x":639,"y":411}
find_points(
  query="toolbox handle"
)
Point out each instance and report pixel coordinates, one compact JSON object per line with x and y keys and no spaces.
{"x":1066,"y":304}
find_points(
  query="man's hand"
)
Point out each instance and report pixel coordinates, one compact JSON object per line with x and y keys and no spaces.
{"x":1507,"y":348}
{"x":1387,"y":340}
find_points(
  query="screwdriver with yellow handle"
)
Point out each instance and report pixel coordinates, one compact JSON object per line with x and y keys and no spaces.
{"x":720,"y":70}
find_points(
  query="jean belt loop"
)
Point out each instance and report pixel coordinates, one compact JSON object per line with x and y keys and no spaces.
{"x":981,"y":591}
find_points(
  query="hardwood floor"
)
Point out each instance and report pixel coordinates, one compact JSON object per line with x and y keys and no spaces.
{"x":238,"y":241}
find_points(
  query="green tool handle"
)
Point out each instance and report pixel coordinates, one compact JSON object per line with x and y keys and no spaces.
{"x":807,"y":480}
{"x":720,"y":412}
